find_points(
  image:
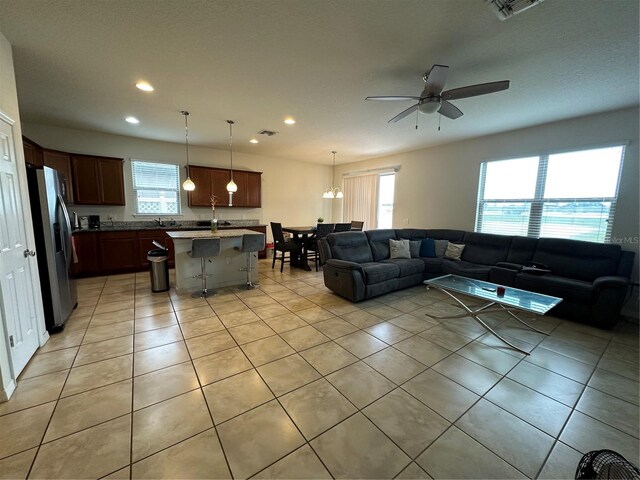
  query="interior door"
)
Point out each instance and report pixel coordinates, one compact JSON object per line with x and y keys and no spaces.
{"x":16,"y":287}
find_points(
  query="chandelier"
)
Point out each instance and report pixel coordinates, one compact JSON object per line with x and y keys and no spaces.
{"x":333,"y":192}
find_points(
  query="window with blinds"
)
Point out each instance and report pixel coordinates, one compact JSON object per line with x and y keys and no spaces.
{"x":564,"y":195}
{"x":156,"y":188}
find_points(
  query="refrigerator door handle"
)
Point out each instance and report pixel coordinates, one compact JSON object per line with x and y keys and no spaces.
{"x":67,"y":231}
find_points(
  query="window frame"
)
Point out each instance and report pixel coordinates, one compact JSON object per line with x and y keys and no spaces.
{"x":136,"y":212}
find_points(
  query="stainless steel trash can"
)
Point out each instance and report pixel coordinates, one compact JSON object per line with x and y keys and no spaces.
{"x":159,"y":269}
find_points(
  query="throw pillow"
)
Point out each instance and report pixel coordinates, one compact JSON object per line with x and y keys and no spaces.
{"x":428,"y":248}
{"x":441,"y":246}
{"x":453,"y":251}
{"x":414,"y":248}
{"x":399,"y":249}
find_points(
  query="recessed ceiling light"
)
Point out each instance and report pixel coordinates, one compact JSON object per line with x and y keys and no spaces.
{"x":253,"y":140}
{"x":144,"y":86}
{"x":289,"y":121}
{"x":133,"y":120}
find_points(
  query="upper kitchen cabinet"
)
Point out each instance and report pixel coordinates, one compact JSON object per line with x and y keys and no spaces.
{"x":219,"y":179}
{"x":32,"y":153}
{"x":213,"y":181}
{"x":60,"y":161}
{"x":201,"y":177}
{"x":98,"y":180}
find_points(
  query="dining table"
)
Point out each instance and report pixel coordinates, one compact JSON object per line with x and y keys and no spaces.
{"x":301,"y":236}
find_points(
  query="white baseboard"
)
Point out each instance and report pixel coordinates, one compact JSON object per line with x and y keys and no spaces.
{"x":6,"y":392}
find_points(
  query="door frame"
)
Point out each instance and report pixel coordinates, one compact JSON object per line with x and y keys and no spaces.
{"x":7,"y":375}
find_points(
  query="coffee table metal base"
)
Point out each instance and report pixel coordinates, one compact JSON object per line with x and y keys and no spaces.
{"x":489,"y":307}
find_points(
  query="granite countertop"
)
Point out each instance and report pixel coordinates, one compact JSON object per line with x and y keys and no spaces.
{"x":189,"y":234}
{"x":188,"y":225}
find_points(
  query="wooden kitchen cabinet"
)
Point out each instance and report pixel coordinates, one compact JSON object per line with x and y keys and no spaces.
{"x":219,"y":180}
{"x":60,"y":161}
{"x":213,"y":181}
{"x":118,"y":251}
{"x":98,"y":180}
{"x":86,"y":245}
{"x":145,"y":243}
{"x":201,"y":177}
{"x":254,"y":190}
{"x":32,"y":153}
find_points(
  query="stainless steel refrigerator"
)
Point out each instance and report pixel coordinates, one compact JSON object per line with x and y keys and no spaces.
{"x":54,"y":246}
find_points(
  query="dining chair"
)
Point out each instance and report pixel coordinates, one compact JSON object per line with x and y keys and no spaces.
{"x":356,"y":226}
{"x":282,"y":245}
{"x":322,"y":230}
{"x":342,"y":227}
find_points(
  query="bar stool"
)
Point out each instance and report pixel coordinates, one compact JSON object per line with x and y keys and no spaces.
{"x":251,"y":242}
{"x":204,"y":248}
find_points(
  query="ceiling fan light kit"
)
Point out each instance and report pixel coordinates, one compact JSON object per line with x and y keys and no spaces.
{"x":508,"y":8}
{"x":433,"y":99}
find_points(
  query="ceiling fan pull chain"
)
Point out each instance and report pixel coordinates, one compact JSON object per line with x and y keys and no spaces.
{"x":417,"y":118}
{"x":439,"y":120}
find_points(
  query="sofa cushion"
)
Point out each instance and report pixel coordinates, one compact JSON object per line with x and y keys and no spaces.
{"x":466,"y":269}
{"x":350,"y":246}
{"x":399,"y":249}
{"x":441,"y":247}
{"x":428,"y":248}
{"x":375,"y":272}
{"x":570,"y":290}
{"x":408,"y":266}
{"x":432,"y":265}
{"x":414,"y":248}
{"x":521,"y":250}
{"x":379,"y":243}
{"x":454,"y":236}
{"x":576,"y":259}
{"x":485,"y":249}
{"x":454,"y":251}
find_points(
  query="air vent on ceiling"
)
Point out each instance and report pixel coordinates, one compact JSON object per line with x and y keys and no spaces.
{"x":269,"y":133}
{"x":508,"y":8}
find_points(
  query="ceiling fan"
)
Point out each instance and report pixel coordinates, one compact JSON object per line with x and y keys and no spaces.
{"x":433,"y":99}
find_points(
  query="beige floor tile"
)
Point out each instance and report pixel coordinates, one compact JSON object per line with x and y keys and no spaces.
{"x":270,"y":311}
{"x":155,"y":321}
{"x":34,"y":391}
{"x":395,"y":365}
{"x":82,"y":311}
{"x":196,"y":457}
{"x":94,"y":375}
{"x":384,"y":312}
{"x":159,"y":357}
{"x":305,"y":337}
{"x":469,"y":374}
{"x":523,"y":446}
{"x":219,"y":365}
{"x":489,"y":357}
{"x":162,"y":384}
{"x":422,"y":350}
{"x":258,"y":300}
{"x":445,"y":337}
{"x":316,"y":407}
{"x":150,"y":298}
{"x":561,"y":364}
{"x":250,"y":332}
{"x":284,"y":323}
{"x":562,"y":463}
{"x":585,"y":434}
{"x":610,"y":410}
{"x":112,"y":307}
{"x":441,"y":394}
{"x":266,"y":432}
{"x":164,"y":424}
{"x":571,"y":350}
{"x":155,"y":309}
{"x":361,"y":344}
{"x":25,"y":428}
{"x":341,"y":307}
{"x":388,"y":332}
{"x":413,"y":472}
{"x":235,"y":395}
{"x":90,"y":453}
{"x":361,"y":319}
{"x":156,"y":338}
{"x":328,"y":357}
{"x":360,"y":383}
{"x":620,"y":367}
{"x":17,"y":466}
{"x":94,"y":352}
{"x":561,"y":389}
{"x":122,"y":474}
{"x":355,"y":448}
{"x":106,"y":332}
{"x":314,"y":314}
{"x":442,"y":459}
{"x":334,"y":327}
{"x":116,"y":297}
{"x":286,"y":374}
{"x":235,"y":319}
{"x":229,"y":306}
{"x":266,"y":350}
{"x":198,"y":313}
{"x":620,"y":387}
{"x":201,"y":327}
{"x":408,"y":422}
{"x":300,"y":464}
{"x":109,"y":318}
{"x":62,"y":340}
{"x":529,"y":405}
{"x":180,"y":304}
{"x":297,"y":304}
{"x":90,"y":408}
{"x":210,"y":343}
{"x":43,"y":363}
{"x":77,"y":323}
{"x":412,"y":323}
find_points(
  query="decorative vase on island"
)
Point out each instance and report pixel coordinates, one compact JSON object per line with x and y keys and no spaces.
{"x":214,"y":225}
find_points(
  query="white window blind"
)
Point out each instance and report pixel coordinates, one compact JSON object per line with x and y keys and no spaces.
{"x":156,"y":188}
{"x":564,"y":195}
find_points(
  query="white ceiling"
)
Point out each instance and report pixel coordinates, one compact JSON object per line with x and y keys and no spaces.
{"x":257,"y":61}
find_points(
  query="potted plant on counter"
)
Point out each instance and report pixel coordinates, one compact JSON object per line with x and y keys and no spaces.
{"x":214,"y":220}
{"x":320,"y":219}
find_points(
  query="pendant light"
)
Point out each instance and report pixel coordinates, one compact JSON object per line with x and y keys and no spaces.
{"x":188,"y":184}
{"x":333,"y":192}
{"x":231,"y":186}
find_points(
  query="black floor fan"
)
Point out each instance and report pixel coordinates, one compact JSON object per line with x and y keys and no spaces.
{"x":606,"y":464}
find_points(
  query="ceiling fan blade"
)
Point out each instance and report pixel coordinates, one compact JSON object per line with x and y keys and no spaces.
{"x":475,"y":90}
{"x":449,"y":110}
{"x":436,"y":78}
{"x":393,"y":98}
{"x":404,"y":113}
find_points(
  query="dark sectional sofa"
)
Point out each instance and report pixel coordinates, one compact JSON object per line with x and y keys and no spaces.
{"x":591,"y":278}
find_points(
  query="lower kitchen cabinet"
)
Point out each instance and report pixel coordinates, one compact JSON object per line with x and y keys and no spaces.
{"x":118,"y":251}
{"x":86,"y":245}
{"x":145,"y":243}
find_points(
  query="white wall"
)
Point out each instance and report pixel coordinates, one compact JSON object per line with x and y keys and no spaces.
{"x":438,"y":187}
{"x":291,"y":190}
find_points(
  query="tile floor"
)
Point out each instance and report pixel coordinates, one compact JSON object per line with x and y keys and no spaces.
{"x":290,"y":381}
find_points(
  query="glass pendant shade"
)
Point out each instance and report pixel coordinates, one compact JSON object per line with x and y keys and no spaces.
{"x":339,"y":194}
{"x":232,"y":187}
{"x":188,"y":185}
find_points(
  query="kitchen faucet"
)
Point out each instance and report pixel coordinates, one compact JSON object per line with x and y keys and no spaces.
{"x":159,"y":221}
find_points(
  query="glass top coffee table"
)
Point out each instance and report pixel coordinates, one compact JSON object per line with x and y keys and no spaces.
{"x":498,"y":298}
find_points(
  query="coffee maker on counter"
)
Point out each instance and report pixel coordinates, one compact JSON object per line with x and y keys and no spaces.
{"x":94,"y":222}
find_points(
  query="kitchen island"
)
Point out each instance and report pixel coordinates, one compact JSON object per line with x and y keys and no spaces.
{"x":225,"y":270}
